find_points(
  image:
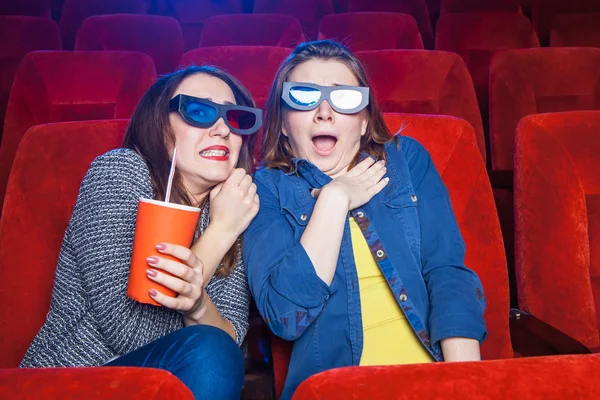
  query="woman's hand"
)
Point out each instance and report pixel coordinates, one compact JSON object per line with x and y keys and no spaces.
{"x":233,"y":204}
{"x":187,"y":279}
{"x":360,"y":184}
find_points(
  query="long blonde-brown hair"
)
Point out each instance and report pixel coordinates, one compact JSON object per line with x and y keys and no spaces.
{"x":149,"y":134}
{"x":276,"y":149}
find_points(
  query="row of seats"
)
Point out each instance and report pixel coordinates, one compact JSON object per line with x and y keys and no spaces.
{"x":193,"y":14}
{"x":101,"y":85}
{"x":557,"y":220}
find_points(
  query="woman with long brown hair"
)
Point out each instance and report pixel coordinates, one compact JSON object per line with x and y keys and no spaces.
{"x":209,"y":117}
{"x":355,"y":254}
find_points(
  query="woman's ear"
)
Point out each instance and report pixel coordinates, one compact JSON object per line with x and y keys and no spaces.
{"x":284,"y":129}
{"x":364,"y":125}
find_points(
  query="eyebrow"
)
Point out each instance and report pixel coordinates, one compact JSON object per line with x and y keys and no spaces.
{"x":225,"y":102}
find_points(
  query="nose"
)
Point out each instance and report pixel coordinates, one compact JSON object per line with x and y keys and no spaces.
{"x":324,"y":112}
{"x":219,"y":129}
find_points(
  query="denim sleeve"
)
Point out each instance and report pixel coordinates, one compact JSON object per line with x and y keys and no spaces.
{"x":455,"y":291}
{"x":288,"y":292}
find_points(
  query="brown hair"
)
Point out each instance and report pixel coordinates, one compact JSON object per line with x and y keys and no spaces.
{"x":276,"y":149}
{"x":150,"y":134}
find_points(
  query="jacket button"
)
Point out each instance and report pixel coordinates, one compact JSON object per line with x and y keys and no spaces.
{"x":360,"y":214}
{"x":380,"y":253}
{"x":403,"y":297}
{"x":303,"y":217}
{"x":413,"y":198}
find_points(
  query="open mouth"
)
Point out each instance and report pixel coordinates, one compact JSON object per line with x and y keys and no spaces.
{"x":324,"y":144}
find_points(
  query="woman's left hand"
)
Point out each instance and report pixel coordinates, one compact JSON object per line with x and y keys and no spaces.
{"x":187,"y":279}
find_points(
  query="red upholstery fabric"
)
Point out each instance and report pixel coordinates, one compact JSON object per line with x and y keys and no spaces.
{"x":159,"y":37}
{"x":48,"y":169}
{"x":56,"y":86}
{"x":575,"y":30}
{"x":544,"y":11}
{"x":308,"y":12}
{"x":191,"y":15}
{"x":424,"y":82}
{"x":33,"y":8}
{"x":254,"y":66}
{"x":416,"y":8}
{"x":19,"y":36}
{"x":113,"y":383}
{"x":529,"y":81}
{"x":241,"y":30}
{"x":452,"y":145}
{"x":74,"y":12}
{"x":372,"y":30}
{"x":548,"y":378}
{"x":557,"y":210}
{"x":476,"y":37}
{"x":464,"y":6}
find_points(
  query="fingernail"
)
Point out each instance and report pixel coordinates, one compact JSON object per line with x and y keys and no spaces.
{"x":152,"y":292}
{"x":161,"y":247}
{"x":152,"y":260}
{"x":386,"y":179}
{"x":151,"y":272}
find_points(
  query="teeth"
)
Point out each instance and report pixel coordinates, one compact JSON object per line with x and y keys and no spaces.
{"x":213,"y":153}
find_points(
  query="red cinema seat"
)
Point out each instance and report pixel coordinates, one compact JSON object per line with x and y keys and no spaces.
{"x":372,"y":30}
{"x":572,"y":30}
{"x":57,"y":86}
{"x":543,"y":13}
{"x":277,"y":30}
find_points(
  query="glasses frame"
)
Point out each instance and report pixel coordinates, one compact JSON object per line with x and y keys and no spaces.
{"x":325,"y":95}
{"x":179,"y":103}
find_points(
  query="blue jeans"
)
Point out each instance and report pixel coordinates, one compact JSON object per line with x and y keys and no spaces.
{"x":206,"y":359}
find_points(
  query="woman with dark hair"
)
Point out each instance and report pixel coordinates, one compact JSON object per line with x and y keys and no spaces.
{"x":355,"y":254}
{"x":209,"y":117}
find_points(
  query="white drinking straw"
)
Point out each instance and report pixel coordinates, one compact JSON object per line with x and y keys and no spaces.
{"x":170,"y":181}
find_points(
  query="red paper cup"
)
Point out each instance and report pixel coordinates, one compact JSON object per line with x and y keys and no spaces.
{"x":157,"y":222}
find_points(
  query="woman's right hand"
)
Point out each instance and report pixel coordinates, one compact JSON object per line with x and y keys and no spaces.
{"x":360,"y":184}
{"x":233,"y":204}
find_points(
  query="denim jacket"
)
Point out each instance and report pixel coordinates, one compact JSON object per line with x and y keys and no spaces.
{"x":414,"y":237}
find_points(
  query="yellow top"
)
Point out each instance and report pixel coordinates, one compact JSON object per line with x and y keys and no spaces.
{"x":388,"y":337}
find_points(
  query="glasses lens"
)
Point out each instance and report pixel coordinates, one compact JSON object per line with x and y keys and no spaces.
{"x":305,"y":96}
{"x":200,"y":112}
{"x":346,"y":99}
{"x":241,"y":119}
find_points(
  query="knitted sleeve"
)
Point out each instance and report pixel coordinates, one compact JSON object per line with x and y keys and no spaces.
{"x":102,"y":225}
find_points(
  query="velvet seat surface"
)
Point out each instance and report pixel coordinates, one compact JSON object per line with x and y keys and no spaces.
{"x":32,"y":8}
{"x":557,"y":218}
{"x":113,"y":383}
{"x":254,"y":66}
{"x":159,"y":37}
{"x":530,"y":81}
{"x":543,"y":13}
{"x":455,"y":153}
{"x":467,"y":6}
{"x":424,"y":82}
{"x":19,"y":35}
{"x":372,"y":30}
{"x":191,"y":15}
{"x":56,"y":86}
{"x":74,"y":12}
{"x":416,"y":8}
{"x":277,"y":30}
{"x":308,"y":12}
{"x":476,"y":37}
{"x":548,"y":378}
{"x":571,"y":30}
{"x":49,"y":167}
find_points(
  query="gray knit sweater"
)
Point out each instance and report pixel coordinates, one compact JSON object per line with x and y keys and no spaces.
{"x":91,"y":320}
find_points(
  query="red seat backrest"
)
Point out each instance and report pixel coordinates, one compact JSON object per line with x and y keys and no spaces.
{"x":50,"y":164}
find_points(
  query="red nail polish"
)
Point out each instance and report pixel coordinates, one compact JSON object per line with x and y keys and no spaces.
{"x":151,"y":272}
{"x":152,"y":292}
{"x":152,"y":260}
{"x":161,"y":247}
